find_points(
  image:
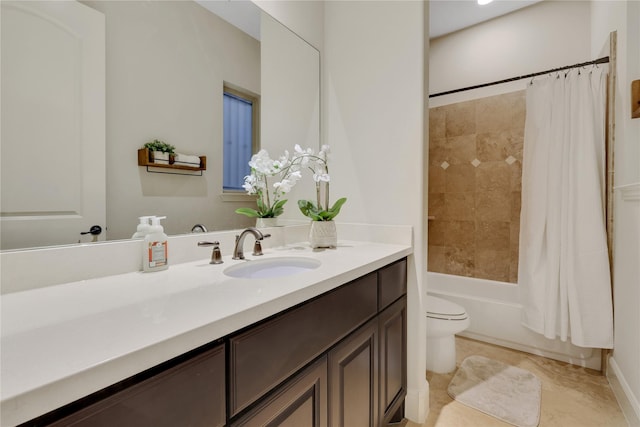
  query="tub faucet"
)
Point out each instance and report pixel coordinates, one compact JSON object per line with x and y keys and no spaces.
{"x":199,"y":228}
{"x":238,"y":251}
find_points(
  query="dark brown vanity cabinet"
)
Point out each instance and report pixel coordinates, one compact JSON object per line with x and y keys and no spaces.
{"x":337,"y":360}
{"x":359,"y":333}
{"x":191,"y":393}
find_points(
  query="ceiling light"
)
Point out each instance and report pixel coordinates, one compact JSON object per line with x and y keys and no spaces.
{"x":483,"y":2}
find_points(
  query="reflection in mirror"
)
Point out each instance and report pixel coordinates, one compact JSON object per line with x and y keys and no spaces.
{"x":163,"y":73}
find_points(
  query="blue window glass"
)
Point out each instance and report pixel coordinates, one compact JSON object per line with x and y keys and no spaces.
{"x":238,"y":140}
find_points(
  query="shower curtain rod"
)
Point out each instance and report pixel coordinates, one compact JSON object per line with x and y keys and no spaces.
{"x":602,"y":60}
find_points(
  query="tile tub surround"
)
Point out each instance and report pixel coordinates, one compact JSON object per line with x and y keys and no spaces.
{"x":475,"y":170}
{"x":60,"y":343}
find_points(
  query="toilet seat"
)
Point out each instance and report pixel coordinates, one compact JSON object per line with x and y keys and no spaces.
{"x":438,"y":308}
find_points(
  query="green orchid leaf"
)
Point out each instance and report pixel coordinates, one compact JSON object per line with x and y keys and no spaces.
{"x":305,"y":206}
{"x":337,"y":205}
{"x":261,"y":206}
{"x":276,"y":210}
{"x":251,"y":213}
{"x":279,"y":204}
{"x":309,"y":209}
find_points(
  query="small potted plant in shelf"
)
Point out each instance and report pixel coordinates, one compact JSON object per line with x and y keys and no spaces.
{"x":160,"y":151}
{"x":270,"y":180}
{"x":323,"y":233}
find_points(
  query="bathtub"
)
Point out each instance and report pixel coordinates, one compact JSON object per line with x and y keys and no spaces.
{"x":495,"y":318}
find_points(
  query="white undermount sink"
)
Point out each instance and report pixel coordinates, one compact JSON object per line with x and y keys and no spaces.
{"x":272,"y":267}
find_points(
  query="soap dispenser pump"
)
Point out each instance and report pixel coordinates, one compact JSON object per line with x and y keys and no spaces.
{"x":155,"y":249}
{"x":143,"y":227}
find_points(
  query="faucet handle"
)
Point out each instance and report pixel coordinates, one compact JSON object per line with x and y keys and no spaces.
{"x":216,"y":255}
{"x":257,"y":246}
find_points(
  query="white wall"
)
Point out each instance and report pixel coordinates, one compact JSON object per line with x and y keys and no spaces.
{"x":523,"y":42}
{"x":623,"y":17}
{"x":302,"y":17}
{"x":166,"y":63}
{"x":290,"y":102}
{"x":373,"y":108}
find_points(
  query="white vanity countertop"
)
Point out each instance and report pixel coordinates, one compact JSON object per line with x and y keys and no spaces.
{"x":63,"y":342}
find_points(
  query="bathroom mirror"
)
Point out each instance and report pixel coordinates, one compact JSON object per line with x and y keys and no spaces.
{"x":165,"y":66}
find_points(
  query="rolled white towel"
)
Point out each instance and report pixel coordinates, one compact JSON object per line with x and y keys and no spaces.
{"x":186,"y":159}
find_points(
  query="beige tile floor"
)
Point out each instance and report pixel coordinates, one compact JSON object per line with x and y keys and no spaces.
{"x":571,"y":396}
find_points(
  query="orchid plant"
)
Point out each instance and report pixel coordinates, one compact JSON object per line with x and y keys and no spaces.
{"x":270,"y":180}
{"x":319,"y":165}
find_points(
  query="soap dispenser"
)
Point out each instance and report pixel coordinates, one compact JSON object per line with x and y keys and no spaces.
{"x":155,"y":248}
{"x":143,"y":227}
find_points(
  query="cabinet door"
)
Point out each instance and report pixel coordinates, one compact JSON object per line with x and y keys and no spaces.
{"x":300,"y":402}
{"x":353,"y":379}
{"x":393,"y":358}
{"x":189,"y":394}
{"x":267,"y":354}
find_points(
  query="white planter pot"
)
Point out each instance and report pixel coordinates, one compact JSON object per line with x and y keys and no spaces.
{"x":161,"y":157}
{"x":266,"y":222}
{"x":323,"y":234}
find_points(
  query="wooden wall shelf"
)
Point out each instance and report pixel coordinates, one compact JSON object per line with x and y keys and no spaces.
{"x":145,"y":159}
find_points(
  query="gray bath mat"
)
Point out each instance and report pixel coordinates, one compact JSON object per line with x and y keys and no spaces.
{"x":503,"y":391}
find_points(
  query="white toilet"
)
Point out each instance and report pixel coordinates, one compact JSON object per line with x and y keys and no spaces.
{"x":444,"y":320}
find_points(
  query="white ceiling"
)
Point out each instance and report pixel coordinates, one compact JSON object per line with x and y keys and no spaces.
{"x":243,"y":14}
{"x":447,"y":16}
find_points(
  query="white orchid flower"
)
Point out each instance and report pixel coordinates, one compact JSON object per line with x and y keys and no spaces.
{"x":302,"y":152}
{"x":321,"y":177}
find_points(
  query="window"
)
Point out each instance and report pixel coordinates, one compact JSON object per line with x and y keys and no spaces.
{"x":240,"y":136}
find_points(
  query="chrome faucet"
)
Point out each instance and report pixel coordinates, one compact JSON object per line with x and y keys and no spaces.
{"x":238,"y":251}
{"x":199,"y":228}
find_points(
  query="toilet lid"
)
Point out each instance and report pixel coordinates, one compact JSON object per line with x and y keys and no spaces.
{"x":438,"y":308}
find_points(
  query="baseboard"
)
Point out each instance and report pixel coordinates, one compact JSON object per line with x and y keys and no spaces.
{"x":626,"y":399}
{"x":416,"y":404}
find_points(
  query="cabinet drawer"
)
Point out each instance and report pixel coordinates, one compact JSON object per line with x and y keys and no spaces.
{"x":267,"y":354}
{"x":190,"y":394}
{"x":300,"y":402}
{"x":392,"y":283}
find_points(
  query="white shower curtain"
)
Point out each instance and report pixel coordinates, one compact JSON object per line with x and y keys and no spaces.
{"x":563,"y":272}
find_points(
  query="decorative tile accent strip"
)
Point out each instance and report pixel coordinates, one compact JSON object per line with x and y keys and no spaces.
{"x":444,"y":165}
{"x":475,"y":163}
{"x":510,"y":160}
